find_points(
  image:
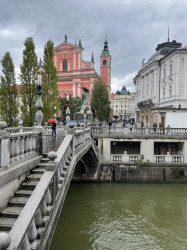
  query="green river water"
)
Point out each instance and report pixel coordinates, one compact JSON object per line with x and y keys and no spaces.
{"x":123,"y":216}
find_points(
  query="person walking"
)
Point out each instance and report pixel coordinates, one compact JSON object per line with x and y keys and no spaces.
{"x":54,"y":128}
{"x":110,"y":124}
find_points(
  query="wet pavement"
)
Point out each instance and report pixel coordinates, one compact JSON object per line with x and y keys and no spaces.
{"x":52,"y":143}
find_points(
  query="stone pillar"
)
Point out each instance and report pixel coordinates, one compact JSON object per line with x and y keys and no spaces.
{"x":147,"y":149}
{"x":4,"y":145}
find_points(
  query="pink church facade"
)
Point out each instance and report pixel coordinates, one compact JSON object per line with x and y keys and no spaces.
{"x":73,"y":72}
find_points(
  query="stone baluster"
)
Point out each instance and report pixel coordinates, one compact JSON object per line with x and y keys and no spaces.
{"x":64,"y":166}
{"x":25,"y":146}
{"x":34,"y":143}
{"x":30,"y":144}
{"x":17,"y":148}
{"x":12,"y":149}
{"x":25,"y":245}
{"x":43,"y":208}
{"x":32,"y":232}
{"x":22,"y":147}
{"x":48,"y":198}
{"x":38,"y":218}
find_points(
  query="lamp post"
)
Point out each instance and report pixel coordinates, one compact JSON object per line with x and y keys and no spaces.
{"x":67,"y":110}
{"x":39,"y":104}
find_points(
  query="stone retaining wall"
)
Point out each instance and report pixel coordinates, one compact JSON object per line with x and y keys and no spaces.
{"x":131,"y":173}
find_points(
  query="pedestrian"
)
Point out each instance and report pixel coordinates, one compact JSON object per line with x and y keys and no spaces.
{"x":110,"y":124}
{"x":54,"y":129}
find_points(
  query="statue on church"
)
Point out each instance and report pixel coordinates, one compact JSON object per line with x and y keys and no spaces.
{"x":85,"y":93}
{"x":78,"y":104}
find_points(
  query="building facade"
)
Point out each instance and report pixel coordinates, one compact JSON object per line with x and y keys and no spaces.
{"x":122,"y":104}
{"x":161,"y":87}
{"x":75,"y":73}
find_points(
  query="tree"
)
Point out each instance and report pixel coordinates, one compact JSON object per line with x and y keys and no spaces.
{"x":8,"y":91}
{"x":49,"y":82}
{"x":72,"y":107}
{"x":100,"y":102}
{"x":28,"y":77}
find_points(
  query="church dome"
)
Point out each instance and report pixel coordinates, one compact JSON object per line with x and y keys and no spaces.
{"x":124,"y":91}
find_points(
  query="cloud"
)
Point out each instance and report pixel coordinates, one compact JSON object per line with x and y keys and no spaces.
{"x":134,"y":28}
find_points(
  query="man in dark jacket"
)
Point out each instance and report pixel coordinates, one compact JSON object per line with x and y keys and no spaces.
{"x":54,"y":129}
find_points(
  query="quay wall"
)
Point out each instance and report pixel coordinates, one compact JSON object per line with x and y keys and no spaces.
{"x":132,"y":173}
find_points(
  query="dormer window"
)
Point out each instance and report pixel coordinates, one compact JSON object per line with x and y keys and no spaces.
{"x":104,"y":62}
{"x":65,"y":65}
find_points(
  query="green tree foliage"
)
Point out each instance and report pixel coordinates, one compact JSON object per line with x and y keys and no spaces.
{"x":49,"y":83}
{"x":73,"y":108}
{"x":28,"y":77}
{"x":100,"y":102}
{"x":9,"y":93}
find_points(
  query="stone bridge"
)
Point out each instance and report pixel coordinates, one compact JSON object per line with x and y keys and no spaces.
{"x":33,"y":184}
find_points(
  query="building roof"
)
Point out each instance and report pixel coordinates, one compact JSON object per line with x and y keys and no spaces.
{"x":123,"y":91}
{"x":105,"y":50}
{"x":166,"y":48}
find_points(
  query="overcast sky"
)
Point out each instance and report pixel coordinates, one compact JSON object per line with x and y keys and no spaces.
{"x":134,"y":28}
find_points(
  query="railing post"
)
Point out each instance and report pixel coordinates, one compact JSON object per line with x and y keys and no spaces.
{"x":51,"y":166}
{"x":4,"y":145}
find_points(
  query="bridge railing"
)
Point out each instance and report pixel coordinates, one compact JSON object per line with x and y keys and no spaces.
{"x":35,"y":216}
{"x":124,"y":158}
{"x":23,"y":145}
{"x":106,"y":130}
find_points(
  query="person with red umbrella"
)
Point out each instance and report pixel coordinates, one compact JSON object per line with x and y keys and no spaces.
{"x":53,"y":126}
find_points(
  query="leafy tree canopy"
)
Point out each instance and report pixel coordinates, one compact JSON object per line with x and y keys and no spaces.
{"x":8,"y":92}
{"x":49,"y":83}
{"x":100,"y":102}
{"x":28,"y":77}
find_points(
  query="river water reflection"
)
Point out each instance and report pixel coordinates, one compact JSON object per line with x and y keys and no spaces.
{"x":123,"y":216}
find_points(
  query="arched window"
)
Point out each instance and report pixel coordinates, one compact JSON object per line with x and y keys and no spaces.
{"x":104,"y":62}
{"x":65,"y":65}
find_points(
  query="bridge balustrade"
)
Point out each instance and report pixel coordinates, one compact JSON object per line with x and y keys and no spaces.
{"x":23,"y":145}
{"x":125,"y":158}
{"x":48,"y":195}
{"x":169,"y":158}
{"x":96,"y":129}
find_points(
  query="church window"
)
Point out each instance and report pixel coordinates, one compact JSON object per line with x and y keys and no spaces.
{"x":104,"y":62}
{"x":164,"y":91}
{"x":171,"y":69}
{"x":170,"y":91}
{"x":65,"y":65}
{"x":164,"y":73}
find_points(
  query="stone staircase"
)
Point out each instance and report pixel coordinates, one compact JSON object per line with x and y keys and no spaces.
{"x":10,"y":214}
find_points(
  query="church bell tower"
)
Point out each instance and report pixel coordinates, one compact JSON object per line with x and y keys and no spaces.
{"x":105,"y":67}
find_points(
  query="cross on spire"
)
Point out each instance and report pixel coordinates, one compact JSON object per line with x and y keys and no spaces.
{"x":168,"y":34}
{"x":106,"y":35}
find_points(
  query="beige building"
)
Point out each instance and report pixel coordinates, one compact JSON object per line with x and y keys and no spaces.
{"x":122,"y":104}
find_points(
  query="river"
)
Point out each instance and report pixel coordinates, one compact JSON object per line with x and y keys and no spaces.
{"x":123,"y":216}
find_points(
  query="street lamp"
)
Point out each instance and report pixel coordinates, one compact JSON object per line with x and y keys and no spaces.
{"x":67,"y":110}
{"x":39,"y":104}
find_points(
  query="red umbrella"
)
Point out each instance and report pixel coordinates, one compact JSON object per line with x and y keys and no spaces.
{"x":52,"y":120}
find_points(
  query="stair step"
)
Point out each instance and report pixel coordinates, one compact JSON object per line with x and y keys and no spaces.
{"x":42,"y":165}
{"x":34,"y":176}
{"x":7,"y":223}
{"x":29,"y":184}
{"x":45,"y":160}
{"x":23,"y":193}
{"x":11,"y":212}
{"x":18,"y":201}
{"x":38,"y":170}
